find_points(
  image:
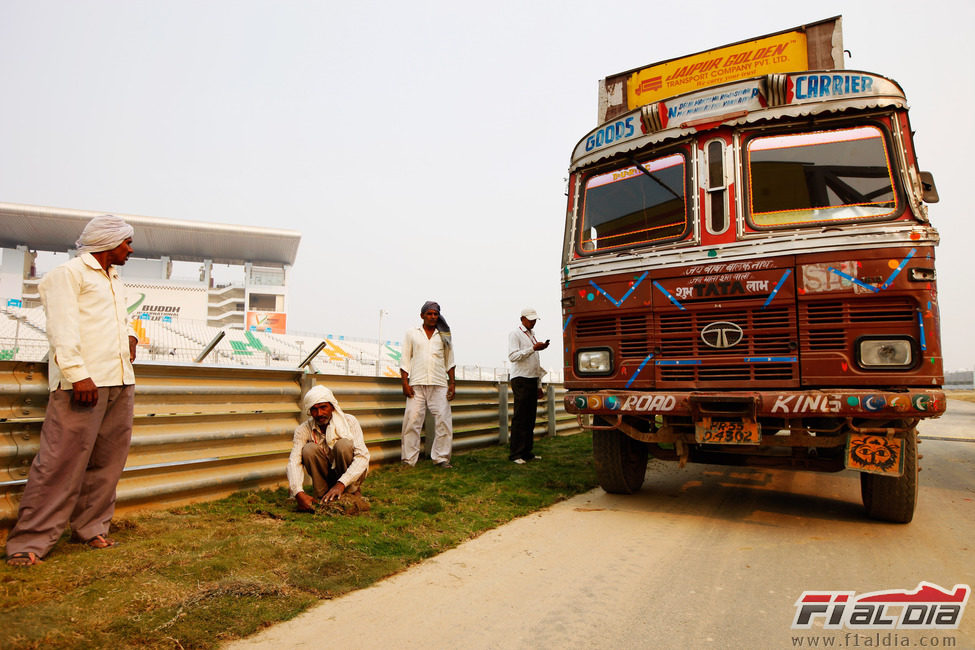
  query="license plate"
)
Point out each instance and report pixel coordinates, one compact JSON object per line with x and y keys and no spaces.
{"x":727,"y":432}
{"x":875,"y":454}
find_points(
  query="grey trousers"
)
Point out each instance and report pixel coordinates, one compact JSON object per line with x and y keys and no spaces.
{"x":76,"y":470}
{"x":318,"y":462}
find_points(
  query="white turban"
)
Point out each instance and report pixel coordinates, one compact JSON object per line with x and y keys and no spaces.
{"x":103,"y":233}
{"x":319,"y":395}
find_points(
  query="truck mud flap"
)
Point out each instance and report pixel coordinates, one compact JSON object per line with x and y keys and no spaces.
{"x":875,"y":454}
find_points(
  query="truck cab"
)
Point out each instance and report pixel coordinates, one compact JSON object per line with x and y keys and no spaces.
{"x":748,"y":279}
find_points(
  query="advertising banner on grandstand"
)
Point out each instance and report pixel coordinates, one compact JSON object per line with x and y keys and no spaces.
{"x":159,"y":301}
{"x":267,"y":321}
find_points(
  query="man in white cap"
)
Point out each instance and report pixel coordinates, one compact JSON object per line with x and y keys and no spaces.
{"x":526,"y":370}
{"x":329,"y":446}
{"x":88,"y":422}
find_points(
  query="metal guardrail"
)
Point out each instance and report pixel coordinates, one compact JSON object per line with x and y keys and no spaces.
{"x":201,"y":432}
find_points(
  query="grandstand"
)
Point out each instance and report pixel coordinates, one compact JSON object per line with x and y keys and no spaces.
{"x":176,"y":319}
{"x":263,"y":255}
{"x":23,"y":338}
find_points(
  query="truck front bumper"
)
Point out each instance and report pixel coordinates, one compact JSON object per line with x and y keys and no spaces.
{"x":914,"y":403}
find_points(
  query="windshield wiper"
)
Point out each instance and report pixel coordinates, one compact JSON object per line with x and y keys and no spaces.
{"x":656,"y":180}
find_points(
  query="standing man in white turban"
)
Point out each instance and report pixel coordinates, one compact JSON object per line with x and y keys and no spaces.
{"x":88,"y":422}
{"x":427,"y":371}
{"x":330,"y":447}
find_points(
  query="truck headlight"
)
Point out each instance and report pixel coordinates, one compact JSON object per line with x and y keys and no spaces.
{"x":594,"y":362}
{"x":885,"y":353}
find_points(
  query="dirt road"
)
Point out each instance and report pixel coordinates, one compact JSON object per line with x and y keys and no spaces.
{"x":704,"y":557}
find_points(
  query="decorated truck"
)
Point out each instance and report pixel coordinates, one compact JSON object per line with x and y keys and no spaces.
{"x":748,"y":270}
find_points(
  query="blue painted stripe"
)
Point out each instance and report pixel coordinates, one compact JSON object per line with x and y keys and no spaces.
{"x":633,"y":288}
{"x":920,"y":321}
{"x":854,"y":280}
{"x":566,"y":324}
{"x":777,"y":287}
{"x":697,"y":362}
{"x":602,"y":291}
{"x":900,"y":268}
{"x":626,"y":295}
{"x":669,"y":297}
{"x":638,"y":370}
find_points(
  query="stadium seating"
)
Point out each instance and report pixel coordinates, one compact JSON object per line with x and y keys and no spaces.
{"x":23,"y":338}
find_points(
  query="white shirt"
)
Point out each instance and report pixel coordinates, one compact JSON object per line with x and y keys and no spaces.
{"x":87,"y":324}
{"x":307,"y":432}
{"x":426,"y":360}
{"x":523,"y":355}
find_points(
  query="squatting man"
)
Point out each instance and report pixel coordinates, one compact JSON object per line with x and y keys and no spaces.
{"x":329,"y":446}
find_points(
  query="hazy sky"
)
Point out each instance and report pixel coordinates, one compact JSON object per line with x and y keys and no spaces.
{"x":420,"y":148}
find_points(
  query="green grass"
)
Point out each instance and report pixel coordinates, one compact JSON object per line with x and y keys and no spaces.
{"x":196,"y":576}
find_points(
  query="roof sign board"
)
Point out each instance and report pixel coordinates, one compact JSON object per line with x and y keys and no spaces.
{"x":816,"y":46}
{"x":780,"y":53}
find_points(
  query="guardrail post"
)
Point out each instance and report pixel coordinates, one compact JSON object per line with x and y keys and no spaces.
{"x":306,"y":382}
{"x":550,"y":404}
{"x":502,"y":413}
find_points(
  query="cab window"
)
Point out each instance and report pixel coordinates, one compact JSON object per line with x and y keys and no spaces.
{"x":635,"y":205}
{"x":822,"y":176}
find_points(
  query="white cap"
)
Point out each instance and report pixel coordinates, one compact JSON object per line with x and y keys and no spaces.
{"x":529,"y":313}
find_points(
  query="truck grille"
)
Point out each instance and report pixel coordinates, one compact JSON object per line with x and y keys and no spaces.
{"x":630,"y":333}
{"x":675,"y":337}
{"x":762,"y":355}
{"x":823,"y":325}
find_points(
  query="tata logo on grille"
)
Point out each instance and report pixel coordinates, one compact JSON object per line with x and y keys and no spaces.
{"x":721,"y":335}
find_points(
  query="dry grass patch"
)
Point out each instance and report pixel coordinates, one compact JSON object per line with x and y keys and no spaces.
{"x":195,"y":576}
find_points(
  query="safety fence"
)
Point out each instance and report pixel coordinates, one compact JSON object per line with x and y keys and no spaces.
{"x":202,"y":432}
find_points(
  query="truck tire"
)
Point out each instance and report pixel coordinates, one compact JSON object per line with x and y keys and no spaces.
{"x":893,"y":498}
{"x":621,"y":461}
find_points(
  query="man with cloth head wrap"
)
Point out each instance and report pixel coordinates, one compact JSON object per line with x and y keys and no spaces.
{"x":88,"y":421}
{"x":330,"y":447}
{"x":427,"y":371}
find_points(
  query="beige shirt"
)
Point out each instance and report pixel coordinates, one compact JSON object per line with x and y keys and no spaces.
{"x":87,"y":324}
{"x":426,"y":360}
{"x":307,"y":432}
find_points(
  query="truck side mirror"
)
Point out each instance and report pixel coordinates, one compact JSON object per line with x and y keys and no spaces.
{"x":929,"y":192}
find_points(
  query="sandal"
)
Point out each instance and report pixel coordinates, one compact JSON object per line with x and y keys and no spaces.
{"x":23,"y":559}
{"x":100,"y":542}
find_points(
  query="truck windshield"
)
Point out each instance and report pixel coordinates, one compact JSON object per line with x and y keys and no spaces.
{"x":820,"y":176}
{"x":632,"y":206}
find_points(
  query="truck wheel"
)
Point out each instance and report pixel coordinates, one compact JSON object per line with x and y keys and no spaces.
{"x":621,"y":461}
{"x":893,"y":498}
